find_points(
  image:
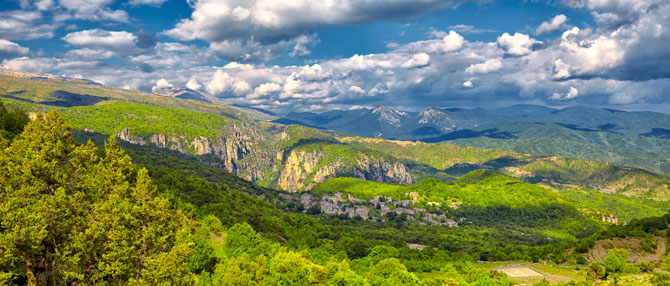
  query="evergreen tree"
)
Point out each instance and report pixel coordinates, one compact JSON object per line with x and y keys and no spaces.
{"x":69,"y":217}
{"x":11,"y":122}
{"x":615,"y":262}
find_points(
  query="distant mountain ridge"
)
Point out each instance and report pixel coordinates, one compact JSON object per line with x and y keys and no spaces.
{"x":631,"y":138}
{"x":297,"y":158}
{"x":441,"y":121}
{"x":29,"y":75}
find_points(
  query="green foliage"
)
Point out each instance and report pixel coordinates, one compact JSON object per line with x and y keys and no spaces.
{"x":485,"y":198}
{"x":624,"y":207}
{"x":144,"y":120}
{"x":242,"y":239}
{"x":340,"y":274}
{"x":644,"y":152}
{"x":440,"y":156}
{"x":581,"y":260}
{"x":660,"y":279}
{"x":646,"y":266}
{"x":596,"y":270}
{"x":615,"y":262}
{"x":47,"y":94}
{"x":478,"y":188}
{"x":649,"y":244}
{"x":297,"y":135}
{"x":11,"y":122}
{"x":72,"y":217}
{"x":203,"y":256}
{"x":390,"y":272}
{"x":543,"y":282}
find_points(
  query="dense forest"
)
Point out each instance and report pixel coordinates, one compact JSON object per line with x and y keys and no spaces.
{"x":76,"y":214}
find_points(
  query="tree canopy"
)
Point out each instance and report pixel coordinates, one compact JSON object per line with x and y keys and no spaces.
{"x":72,"y":214}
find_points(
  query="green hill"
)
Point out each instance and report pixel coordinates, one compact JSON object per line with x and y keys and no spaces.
{"x":98,"y":217}
{"x":558,"y":172}
{"x":296,"y":158}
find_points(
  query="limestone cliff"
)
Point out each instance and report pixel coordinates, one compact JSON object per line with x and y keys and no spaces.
{"x":232,"y":149}
{"x":255,"y":155}
{"x":302,"y":169}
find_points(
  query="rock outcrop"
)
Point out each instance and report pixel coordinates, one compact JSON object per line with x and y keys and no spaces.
{"x":303,"y":169}
{"x":252,"y":155}
{"x":229,"y":149}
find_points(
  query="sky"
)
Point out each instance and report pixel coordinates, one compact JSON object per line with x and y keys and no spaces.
{"x":303,"y":55}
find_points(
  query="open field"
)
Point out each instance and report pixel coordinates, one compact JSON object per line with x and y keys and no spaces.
{"x":530,"y":273}
{"x":523,"y":272}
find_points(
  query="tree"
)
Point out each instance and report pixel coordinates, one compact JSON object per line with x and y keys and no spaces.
{"x":646,"y":266}
{"x":660,"y":279}
{"x":391,"y":272}
{"x":11,"y":122}
{"x":615,"y":261}
{"x":340,"y":274}
{"x":69,"y":217}
{"x":543,"y":282}
{"x":315,"y":209}
{"x":242,"y":239}
{"x":291,"y":268}
{"x":596,"y":271}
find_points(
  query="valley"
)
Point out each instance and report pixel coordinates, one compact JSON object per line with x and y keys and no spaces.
{"x":344,"y":206}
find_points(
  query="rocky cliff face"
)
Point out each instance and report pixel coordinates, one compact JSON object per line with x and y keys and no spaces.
{"x":231,"y":149}
{"x":250,"y":154}
{"x":303,"y":169}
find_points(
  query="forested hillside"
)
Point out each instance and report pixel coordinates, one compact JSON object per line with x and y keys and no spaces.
{"x":296,"y":158}
{"x":206,"y":198}
{"x":628,"y":138}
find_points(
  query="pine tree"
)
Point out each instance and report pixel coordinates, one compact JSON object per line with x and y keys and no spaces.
{"x":69,"y":217}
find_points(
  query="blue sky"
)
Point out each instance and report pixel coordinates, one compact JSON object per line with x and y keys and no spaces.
{"x":307,"y":55}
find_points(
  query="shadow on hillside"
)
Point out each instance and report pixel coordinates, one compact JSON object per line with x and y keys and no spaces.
{"x":497,"y":164}
{"x":62,"y":99}
{"x":577,"y":128}
{"x":661,"y":133}
{"x":286,"y":121}
{"x":422,"y":171}
{"x":468,"y":133}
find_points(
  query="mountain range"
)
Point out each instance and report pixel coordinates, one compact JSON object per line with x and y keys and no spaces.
{"x":630,"y":138}
{"x":295,"y":158}
{"x":335,"y":179}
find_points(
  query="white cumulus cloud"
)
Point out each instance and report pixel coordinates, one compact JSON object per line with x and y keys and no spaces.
{"x":193,"y":84}
{"x":25,"y":25}
{"x":467,"y":84}
{"x":119,"y":42}
{"x":161,"y":83}
{"x":572,"y":93}
{"x":95,"y":10}
{"x":516,"y":45}
{"x":417,"y":61}
{"x":9,"y":48}
{"x":485,"y":67}
{"x":556,"y":24}
{"x":247,"y":26}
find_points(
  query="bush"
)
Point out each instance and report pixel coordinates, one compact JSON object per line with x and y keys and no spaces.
{"x":649,"y":245}
{"x":646,"y":266}
{"x":581,"y":260}
{"x":616,"y":260}
{"x":660,"y":279}
{"x":596,"y":271}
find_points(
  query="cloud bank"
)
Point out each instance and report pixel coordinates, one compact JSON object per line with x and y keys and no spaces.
{"x":622,"y":61}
